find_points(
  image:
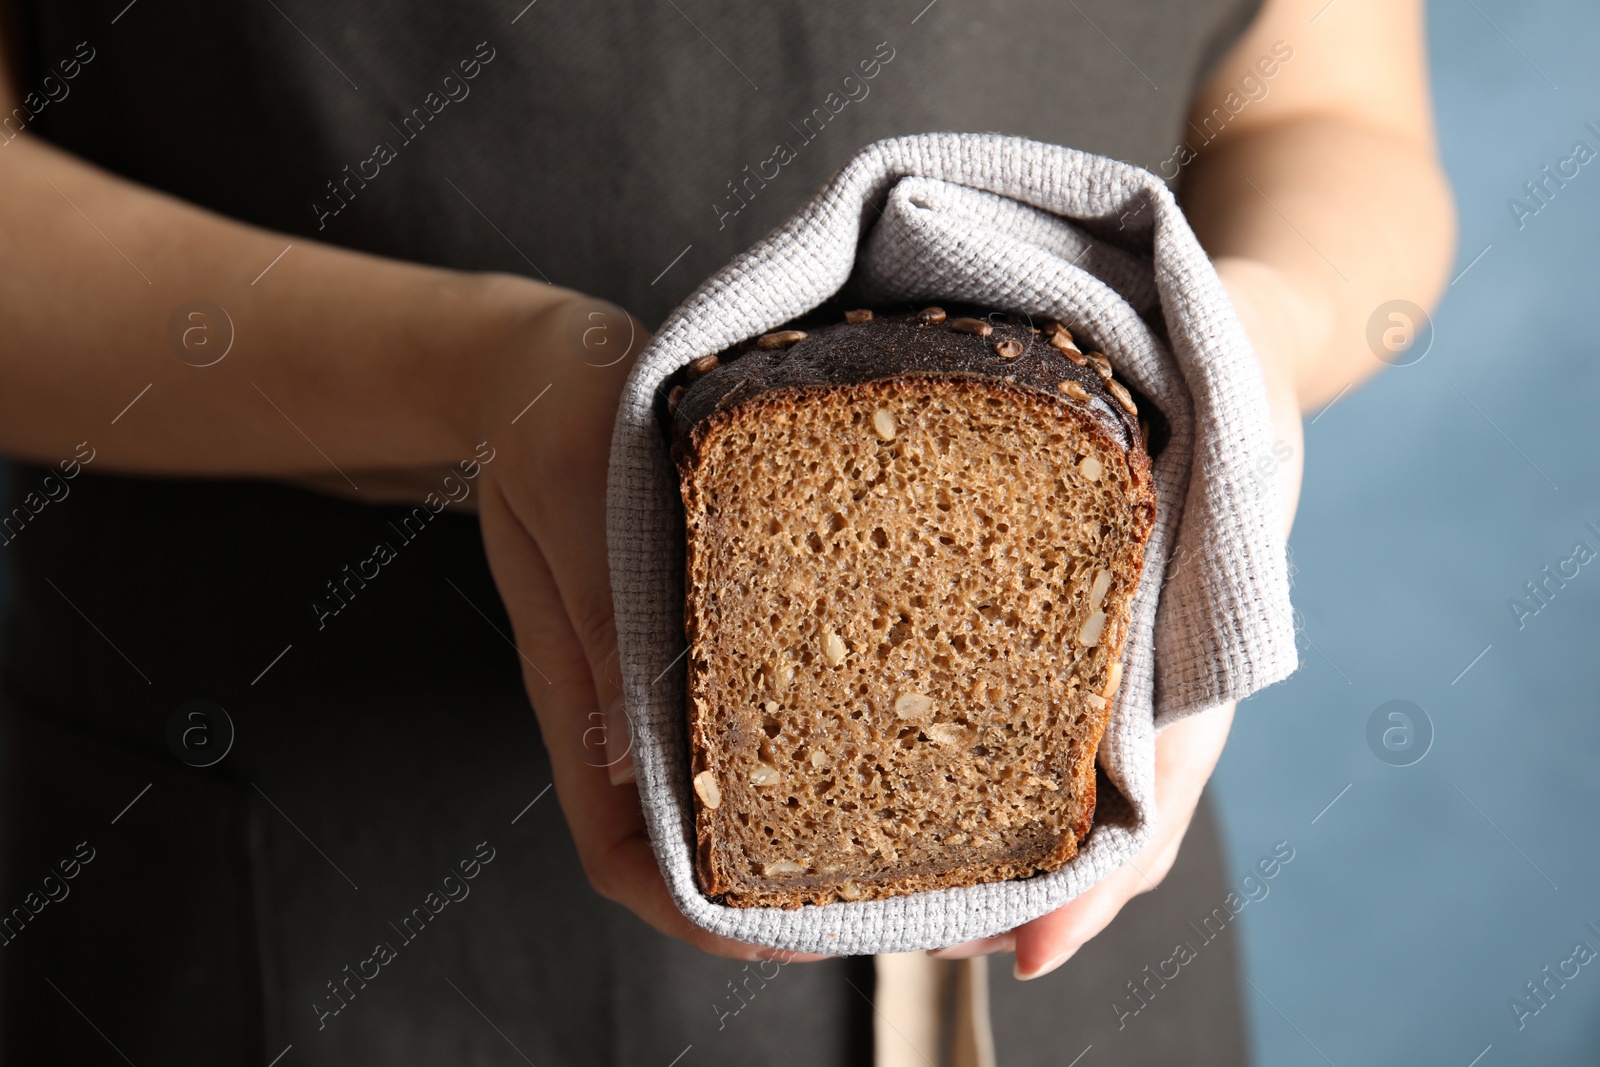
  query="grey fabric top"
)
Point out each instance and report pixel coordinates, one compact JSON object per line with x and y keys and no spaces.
{"x":601,"y":140}
{"x":1030,"y":227}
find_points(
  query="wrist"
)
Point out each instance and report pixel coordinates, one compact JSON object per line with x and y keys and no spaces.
{"x":467,"y":327}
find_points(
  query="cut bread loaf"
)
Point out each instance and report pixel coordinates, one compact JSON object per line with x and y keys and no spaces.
{"x":912,"y":539}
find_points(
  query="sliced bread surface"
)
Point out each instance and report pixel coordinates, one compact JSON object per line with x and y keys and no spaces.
{"x":911,"y":544}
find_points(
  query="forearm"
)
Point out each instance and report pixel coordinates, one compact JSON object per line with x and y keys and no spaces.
{"x":337,"y":358}
{"x":1324,"y":219}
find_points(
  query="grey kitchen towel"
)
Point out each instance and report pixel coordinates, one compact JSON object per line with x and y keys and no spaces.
{"x":1028,"y":227}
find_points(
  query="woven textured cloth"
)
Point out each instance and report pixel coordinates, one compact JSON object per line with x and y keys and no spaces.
{"x":1028,"y":227}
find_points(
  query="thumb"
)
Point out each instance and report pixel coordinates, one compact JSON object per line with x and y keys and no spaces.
{"x":582,"y":576}
{"x":569,"y":520}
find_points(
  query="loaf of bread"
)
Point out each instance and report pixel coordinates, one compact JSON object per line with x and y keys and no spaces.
{"x":912,"y":540}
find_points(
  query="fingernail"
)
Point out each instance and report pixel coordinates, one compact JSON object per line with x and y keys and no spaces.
{"x":981,"y":946}
{"x":783,"y":955}
{"x":1049,"y":965}
{"x":619,"y":742}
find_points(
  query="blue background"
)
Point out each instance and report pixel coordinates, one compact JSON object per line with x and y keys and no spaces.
{"x":1423,"y":899}
{"x":1407,"y":921}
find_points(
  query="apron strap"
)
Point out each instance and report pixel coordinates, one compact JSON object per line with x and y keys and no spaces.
{"x":930,"y":1012}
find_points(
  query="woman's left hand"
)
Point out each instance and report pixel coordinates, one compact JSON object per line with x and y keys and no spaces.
{"x":1186,"y":751}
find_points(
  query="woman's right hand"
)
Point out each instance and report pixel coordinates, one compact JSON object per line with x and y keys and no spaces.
{"x":542,"y":506}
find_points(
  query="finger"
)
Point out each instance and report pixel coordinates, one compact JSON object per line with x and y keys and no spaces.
{"x":983,"y":946}
{"x":606,"y":822}
{"x":1186,"y":753}
{"x":1050,"y":940}
{"x":409,"y":486}
{"x":559,"y":681}
{"x":568,"y":514}
{"x":564,"y":507}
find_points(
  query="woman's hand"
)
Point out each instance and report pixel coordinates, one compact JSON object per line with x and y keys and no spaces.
{"x":1187,"y":751}
{"x":542,"y":506}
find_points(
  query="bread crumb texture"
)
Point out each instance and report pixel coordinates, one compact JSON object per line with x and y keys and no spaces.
{"x":903,"y":645}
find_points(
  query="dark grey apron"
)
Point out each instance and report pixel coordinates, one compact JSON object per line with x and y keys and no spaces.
{"x":309,"y":892}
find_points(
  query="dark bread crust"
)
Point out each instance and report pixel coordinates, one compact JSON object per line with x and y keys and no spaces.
{"x":896,"y":343}
{"x":879,"y":361}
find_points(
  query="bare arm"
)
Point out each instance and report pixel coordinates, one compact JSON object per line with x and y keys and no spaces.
{"x":1322,"y":199}
{"x":372,"y":359}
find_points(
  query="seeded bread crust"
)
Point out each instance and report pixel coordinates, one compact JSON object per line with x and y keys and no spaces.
{"x":955,"y":361}
{"x":891,"y":344}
